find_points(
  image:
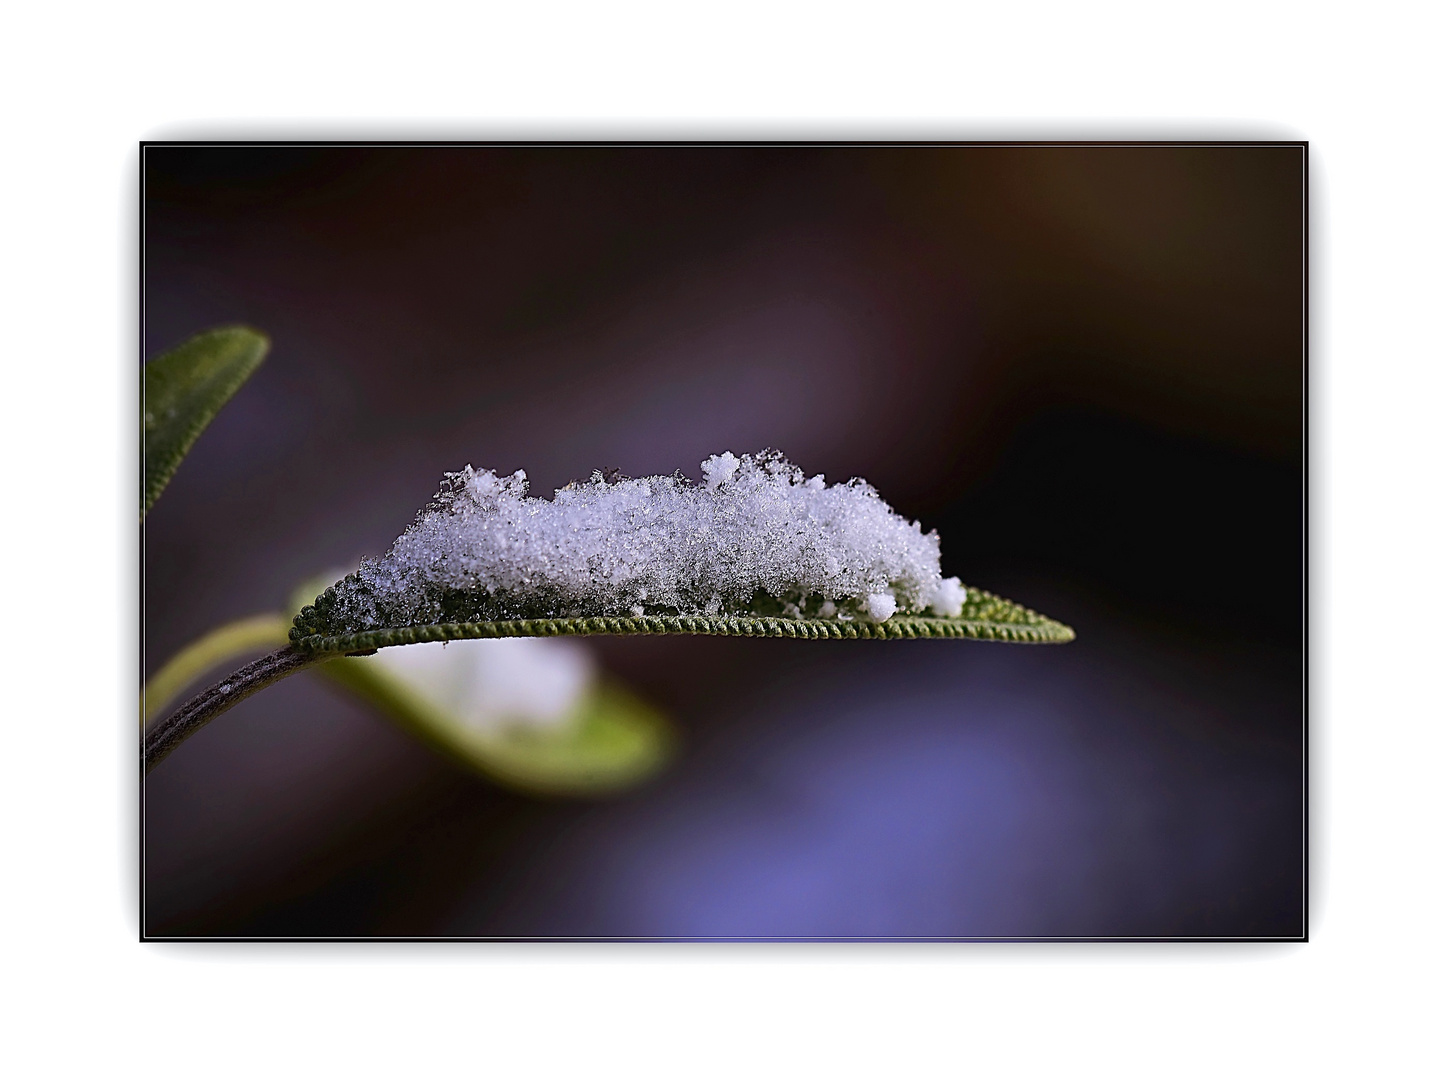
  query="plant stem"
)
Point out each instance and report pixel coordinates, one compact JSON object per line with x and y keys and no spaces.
{"x":164,"y":737}
{"x":229,"y":642}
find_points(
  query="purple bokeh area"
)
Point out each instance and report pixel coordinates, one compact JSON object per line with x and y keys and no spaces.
{"x":934,"y":792}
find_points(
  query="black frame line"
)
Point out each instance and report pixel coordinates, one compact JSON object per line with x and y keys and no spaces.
{"x":1306,"y":222}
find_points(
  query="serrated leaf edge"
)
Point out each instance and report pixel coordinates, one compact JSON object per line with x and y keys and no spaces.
{"x":1029,"y":628}
{"x":157,"y":483}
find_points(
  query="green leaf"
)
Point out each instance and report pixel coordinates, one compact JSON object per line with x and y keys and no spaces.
{"x":183,"y":389}
{"x":612,"y":741}
{"x":985,"y":616}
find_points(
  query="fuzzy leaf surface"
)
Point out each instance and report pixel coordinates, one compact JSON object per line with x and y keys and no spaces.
{"x":985,"y":617}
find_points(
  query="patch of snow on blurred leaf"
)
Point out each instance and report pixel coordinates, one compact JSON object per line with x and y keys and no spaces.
{"x":530,"y":682}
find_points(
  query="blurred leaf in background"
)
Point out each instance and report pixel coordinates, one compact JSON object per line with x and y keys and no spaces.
{"x":532,"y":714}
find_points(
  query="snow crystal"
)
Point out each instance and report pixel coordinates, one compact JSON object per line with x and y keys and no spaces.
{"x":880,"y":606}
{"x":949,"y":599}
{"x":719,"y":469}
{"x":756,"y":537}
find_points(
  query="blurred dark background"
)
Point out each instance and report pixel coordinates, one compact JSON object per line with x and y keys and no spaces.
{"x":1082,"y":365}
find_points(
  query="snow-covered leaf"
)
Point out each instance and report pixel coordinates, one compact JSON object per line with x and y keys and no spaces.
{"x":756,"y":548}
